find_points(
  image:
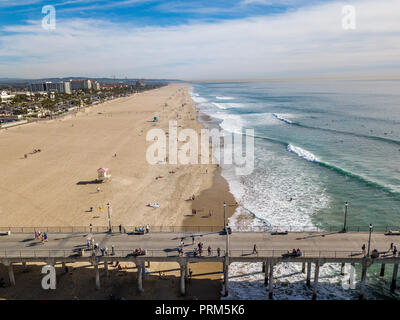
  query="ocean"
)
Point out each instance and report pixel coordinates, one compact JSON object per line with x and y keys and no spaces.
{"x":318,"y":144}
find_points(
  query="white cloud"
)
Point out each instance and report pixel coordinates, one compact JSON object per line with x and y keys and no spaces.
{"x":307,"y":42}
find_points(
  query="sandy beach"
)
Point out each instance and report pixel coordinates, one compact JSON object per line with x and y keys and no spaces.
{"x":55,"y":187}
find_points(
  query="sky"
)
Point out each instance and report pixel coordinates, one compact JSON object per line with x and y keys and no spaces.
{"x":199,"y":40}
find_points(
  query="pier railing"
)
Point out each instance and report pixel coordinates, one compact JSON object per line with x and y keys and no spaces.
{"x":194,"y":229}
{"x":165,"y":253}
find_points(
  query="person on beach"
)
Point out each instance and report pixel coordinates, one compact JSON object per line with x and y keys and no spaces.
{"x":147,"y":228}
{"x":210,"y":213}
{"x":394,"y":250}
{"x":255,"y":249}
{"x":209,"y":250}
{"x":219,"y":252}
{"x":391,"y":247}
{"x":192,"y":239}
{"x":363,"y":248}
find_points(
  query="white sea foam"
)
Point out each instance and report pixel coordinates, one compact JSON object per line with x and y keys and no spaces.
{"x":247,"y":283}
{"x":232,"y":123}
{"x":302,"y":153}
{"x":220,"y":105}
{"x":198,"y":99}
{"x":225,"y":106}
{"x":281,"y":118}
{"x":225,"y":98}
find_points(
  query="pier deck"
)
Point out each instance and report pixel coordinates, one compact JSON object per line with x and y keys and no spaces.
{"x":316,"y":247}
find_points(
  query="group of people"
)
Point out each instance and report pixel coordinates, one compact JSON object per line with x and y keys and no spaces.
{"x":197,"y":251}
{"x":394,"y":250}
{"x":145,"y":229}
{"x":92,"y":245}
{"x":139,"y":252}
{"x":294,"y":253}
{"x":41,"y":236}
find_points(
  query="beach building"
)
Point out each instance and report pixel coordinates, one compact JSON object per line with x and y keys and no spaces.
{"x":81,"y":84}
{"x":48,"y":86}
{"x":5,"y":96}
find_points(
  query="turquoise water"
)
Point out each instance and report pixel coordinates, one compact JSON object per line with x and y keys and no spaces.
{"x":319,"y":143}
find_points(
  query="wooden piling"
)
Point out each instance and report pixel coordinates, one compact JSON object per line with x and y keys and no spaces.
{"x":308,"y":282}
{"x":363,"y":280}
{"x":316,"y":277}
{"x":394,"y":278}
{"x":271,"y":280}
{"x":382,"y":274}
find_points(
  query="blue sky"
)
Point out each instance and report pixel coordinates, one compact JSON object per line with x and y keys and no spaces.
{"x":147,"y":12}
{"x":198,"y":39}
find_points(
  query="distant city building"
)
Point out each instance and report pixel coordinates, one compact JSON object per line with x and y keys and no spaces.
{"x":96,"y":85}
{"x":48,"y":86}
{"x":140,"y":83}
{"x":80,"y":84}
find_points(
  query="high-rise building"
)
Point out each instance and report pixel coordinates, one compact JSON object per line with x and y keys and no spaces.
{"x":81,"y":84}
{"x":61,"y":87}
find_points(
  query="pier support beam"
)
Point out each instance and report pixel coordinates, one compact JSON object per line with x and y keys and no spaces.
{"x":226,"y":280}
{"x":308,"y":282}
{"x":394,"y":278}
{"x":382,"y":274}
{"x":106,"y":268}
{"x":271,"y":280}
{"x":182,"y":282}
{"x":266,"y":270}
{"x":11,"y":274}
{"x":303,"y":267}
{"x":316,"y":277}
{"x":342,"y":269}
{"x":363,"y":280}
{"x":140,"y":277}
{"x":96,"y":270}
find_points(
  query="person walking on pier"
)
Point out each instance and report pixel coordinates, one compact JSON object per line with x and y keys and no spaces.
{"x":255,"y":249}
{"x":363,"y":248}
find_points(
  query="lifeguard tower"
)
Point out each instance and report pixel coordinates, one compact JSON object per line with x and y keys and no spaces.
{"x":103,"y":174}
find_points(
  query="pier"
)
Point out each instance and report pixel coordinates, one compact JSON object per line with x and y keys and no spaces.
{"x":317,"y":248}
